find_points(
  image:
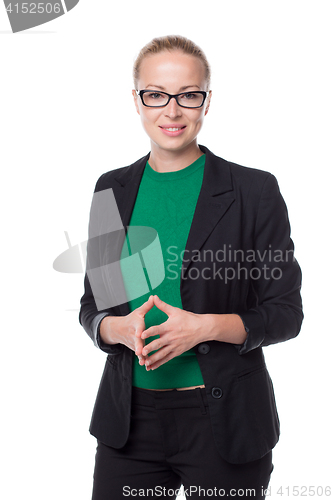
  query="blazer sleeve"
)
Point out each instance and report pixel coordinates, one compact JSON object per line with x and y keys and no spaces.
{"x":276,"y":314}
{"x":89,"y":316}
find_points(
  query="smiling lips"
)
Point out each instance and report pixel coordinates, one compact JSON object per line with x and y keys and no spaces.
{"x":173,"y":129}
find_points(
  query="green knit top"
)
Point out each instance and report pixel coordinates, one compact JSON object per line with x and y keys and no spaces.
{"x":165,"y":202}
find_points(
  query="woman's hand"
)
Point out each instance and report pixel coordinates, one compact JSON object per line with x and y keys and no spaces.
{"x":127,"y":329}
{"x":179,"y":333}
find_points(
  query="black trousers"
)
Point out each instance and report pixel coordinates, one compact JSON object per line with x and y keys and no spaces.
{"x":171,"y":444}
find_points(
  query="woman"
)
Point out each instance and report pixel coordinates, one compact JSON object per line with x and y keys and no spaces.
{"x":185,"y":397}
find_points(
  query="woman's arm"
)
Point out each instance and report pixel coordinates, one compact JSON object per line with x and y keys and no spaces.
{"x":224,"y":328}
{"x":278,"y":314}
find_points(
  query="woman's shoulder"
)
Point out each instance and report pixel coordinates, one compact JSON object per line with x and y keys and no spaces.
{"x":254,"y":183}
{"x":252,"y":179}
{"x":237,"y":170}
{"x":241,"y":171}
{"x":240,"y":177}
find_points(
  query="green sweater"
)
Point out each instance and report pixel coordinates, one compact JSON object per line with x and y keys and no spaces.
{"x":166,"y":202}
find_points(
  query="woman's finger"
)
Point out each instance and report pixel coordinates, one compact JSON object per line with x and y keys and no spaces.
{"x":163,"y":306}
{"x":146,"y":306}
{"x":156,"y":363}
{"x":151,"y":332}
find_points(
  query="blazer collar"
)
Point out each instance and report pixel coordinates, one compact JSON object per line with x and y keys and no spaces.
{"x":216,"y":179}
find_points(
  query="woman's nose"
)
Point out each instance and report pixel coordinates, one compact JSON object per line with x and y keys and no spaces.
{"x":173,"y":108}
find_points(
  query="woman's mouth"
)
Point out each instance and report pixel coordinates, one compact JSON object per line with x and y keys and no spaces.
{"x":173,"y":130}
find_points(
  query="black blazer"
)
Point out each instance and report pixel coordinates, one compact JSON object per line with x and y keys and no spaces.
{"x":238,"y":209}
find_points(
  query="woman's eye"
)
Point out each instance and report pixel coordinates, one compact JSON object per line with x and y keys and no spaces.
{"x":154,"y":95}
{"x":189,"y":96}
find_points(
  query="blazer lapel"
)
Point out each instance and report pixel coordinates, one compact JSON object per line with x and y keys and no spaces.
{"x":215,"y":197}
{"x":129,"y":182}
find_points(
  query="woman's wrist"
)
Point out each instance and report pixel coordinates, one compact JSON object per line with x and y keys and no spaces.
{"x":224,"y":328}
{"x":108,"y":329}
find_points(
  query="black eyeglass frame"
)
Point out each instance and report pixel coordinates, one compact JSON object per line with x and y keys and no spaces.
{"x":170,"y":96}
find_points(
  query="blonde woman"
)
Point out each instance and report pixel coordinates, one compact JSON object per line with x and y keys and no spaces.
{"x":185,"y":397}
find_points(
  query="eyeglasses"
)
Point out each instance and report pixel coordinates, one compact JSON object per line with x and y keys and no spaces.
{"x":156,"y":99}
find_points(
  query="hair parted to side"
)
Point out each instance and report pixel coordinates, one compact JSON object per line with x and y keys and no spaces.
{"x":170,"y":42}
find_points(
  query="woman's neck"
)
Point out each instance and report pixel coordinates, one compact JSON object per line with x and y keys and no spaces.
{"x":163,"y":160}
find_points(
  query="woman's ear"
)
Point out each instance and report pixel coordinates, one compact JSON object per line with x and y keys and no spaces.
{"x":136,"y":101}
{"x":208,"y":102}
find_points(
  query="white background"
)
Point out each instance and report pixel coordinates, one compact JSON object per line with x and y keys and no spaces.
{"x":67,"y":116}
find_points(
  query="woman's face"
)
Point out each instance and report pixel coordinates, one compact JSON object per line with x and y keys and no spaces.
{"x":172,"y":72}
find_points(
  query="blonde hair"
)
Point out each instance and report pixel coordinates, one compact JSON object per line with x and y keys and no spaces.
{"x":170,"y":42}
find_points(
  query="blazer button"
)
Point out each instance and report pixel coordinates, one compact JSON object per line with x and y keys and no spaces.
{"x":203,"y":348}
{"x":217,"y":392}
